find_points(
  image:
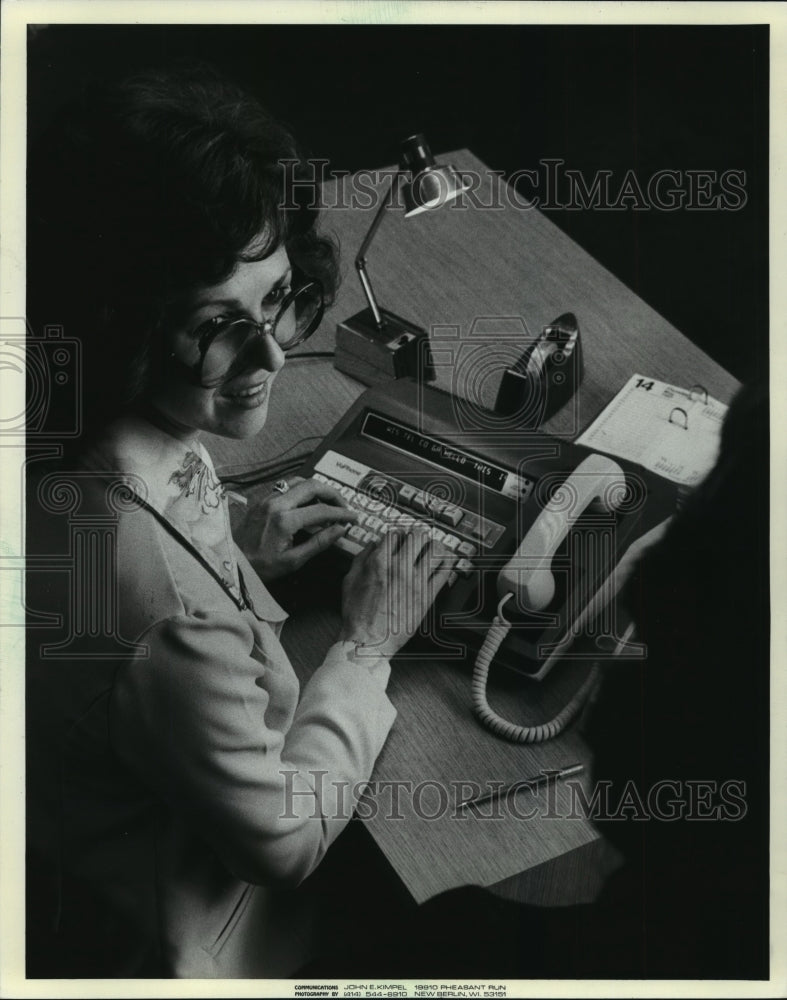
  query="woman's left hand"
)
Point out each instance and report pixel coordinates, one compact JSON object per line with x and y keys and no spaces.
{"x":266,"y":535}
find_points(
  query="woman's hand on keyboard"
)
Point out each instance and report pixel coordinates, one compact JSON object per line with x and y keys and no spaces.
{"x":266,"y":536}
{"x":390,"y":587}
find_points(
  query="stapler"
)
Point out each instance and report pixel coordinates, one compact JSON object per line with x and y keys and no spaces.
{"x":545,"y":377}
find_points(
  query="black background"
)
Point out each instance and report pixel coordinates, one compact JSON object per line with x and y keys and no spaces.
{"x":600,"y":98}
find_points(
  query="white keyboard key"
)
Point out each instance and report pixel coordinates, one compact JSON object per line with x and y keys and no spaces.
{"x":450,"y":541}
{"x":348,"y":545}
{"x":357,"y":534}
{"x":381,"y":489}
{"x":321,"y":478}
{"x":420,"y":502}
{"x":466,"y":549}
{"x":404,"y":521}
{"x":450,"y":514}
{"x":473,"y":525}
{"x":463,"y":567}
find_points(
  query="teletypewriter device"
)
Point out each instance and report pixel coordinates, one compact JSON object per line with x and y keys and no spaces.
{"x":538,"y":518}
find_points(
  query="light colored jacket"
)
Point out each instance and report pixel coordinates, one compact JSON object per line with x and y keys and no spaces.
{"x":197,"y":783}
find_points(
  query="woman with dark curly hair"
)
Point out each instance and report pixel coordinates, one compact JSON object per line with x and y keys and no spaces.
{"x":178,"y":792}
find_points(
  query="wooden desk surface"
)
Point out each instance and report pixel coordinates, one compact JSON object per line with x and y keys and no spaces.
{"x":472,"y":276}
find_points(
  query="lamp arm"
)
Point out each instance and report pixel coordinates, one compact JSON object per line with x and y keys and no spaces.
{"x":360,"y":259}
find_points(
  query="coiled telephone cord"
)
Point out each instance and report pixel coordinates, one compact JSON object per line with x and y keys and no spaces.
{"x":502,"y":727}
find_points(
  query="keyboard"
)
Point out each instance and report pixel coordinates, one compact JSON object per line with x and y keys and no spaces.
{"x":384,"y":502}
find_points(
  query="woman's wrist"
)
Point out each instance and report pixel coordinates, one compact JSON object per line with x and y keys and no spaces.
{"x":359,"y":636}
{"x":362,"y":648}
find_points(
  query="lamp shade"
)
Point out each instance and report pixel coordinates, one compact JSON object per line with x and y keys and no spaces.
{"x":430,"y":184}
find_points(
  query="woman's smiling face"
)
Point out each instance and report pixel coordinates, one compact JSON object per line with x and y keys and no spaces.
{"x":238,"y":407}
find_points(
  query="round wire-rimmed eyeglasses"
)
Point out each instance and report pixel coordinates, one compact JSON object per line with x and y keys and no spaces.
{"x":227,"y":345}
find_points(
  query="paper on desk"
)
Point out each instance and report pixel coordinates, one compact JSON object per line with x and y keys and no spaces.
{"x":445,"y":848}
{"x":671,"y":431}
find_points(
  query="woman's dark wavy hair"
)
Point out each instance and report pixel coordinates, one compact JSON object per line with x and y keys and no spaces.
{"x":145,"y":190}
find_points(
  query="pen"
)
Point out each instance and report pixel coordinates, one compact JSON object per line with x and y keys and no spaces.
{"x":532,"y":783}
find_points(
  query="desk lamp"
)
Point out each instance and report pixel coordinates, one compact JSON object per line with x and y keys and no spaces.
{"x":376,"y":344}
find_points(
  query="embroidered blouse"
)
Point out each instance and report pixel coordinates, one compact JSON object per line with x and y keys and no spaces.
{"x":198,"y":780}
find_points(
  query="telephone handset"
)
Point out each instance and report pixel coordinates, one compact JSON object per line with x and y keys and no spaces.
{"x":597,"y":482}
